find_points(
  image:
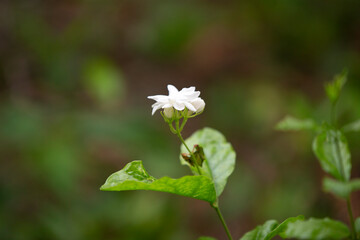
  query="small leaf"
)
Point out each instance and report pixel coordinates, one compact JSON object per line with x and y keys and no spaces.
{"x":316,"y":229}
{"x":341,"y":189}
{"x":357,"y":225}
{"x":269,"y":229}
{"x":206,"y":238}
{"x":290,"y":123}
{"x":220,"y":157}
{"x":331,"y":148}
{"x":134,"y":177}
{"x":282,"y":226}
{"x":334,"y":87}
{"x":352,"y":127}
{"x":260,"y":232}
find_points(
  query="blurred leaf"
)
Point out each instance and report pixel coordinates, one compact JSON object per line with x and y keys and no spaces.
{"x":331,"y":148}
{"x":357,"y":225}
{"x":261,"y":232}
{"x":333,"y":88}
{"x":103,"y":81}
{"x":290,"y":123}
{"x":134,"y":177}
{"x":352,"y":127}
{"x":269,"y":229}
{"x":316,"y":229}
{"x":219,"y":154}
{"x":341,"y":189}
{"x":206,"y":238}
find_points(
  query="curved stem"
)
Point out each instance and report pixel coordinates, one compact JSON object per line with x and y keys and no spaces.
{"x":178,"y":133}
{"x":215,"y":205}
{"x":190,"y":152}
{"x":349,"y":208}
{"x":217,"y":209}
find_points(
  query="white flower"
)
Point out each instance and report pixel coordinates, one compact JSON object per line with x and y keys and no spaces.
{"x":199,"y":104}
{"x":186,"y":98}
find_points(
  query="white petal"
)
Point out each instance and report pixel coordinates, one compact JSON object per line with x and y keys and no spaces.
{"x":159,"y":98}
{"x":189,"y":89}
{"x":172,"y":90}
{"x":190,"y":106}
{"x":190,"y":93}
{"x":199,"y":104}
{"x":167,"y":105}
{"x":179,"y":106}
{"x":193,"y":95}
{"x":155,"y":107}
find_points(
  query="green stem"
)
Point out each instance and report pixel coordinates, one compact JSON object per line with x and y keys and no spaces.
{"x":178,"y":133}
{"x":217,"y":209}
{"x":348,"y":202}
{"x":183,"y":124}
{"x":349,"y":208}
{"x":215,"y":205}
{"x":172,"y":129}
{"x":333,"y":114}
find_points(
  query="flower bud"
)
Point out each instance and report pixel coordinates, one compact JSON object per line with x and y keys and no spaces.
{"x":199,"y":104}
{"x":169,"y":112}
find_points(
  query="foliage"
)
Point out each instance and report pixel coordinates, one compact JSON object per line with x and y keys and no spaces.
{"x":270,"y":229}
{"x":331,"y":148}
{"x":333,"y":89}
{"x":134,"y":177}
{"x":290,"y":123}
{"x":339,"y":188}
{"x":316,"y":229}
{"x":220,"y":156}
{"x":218,"y":165}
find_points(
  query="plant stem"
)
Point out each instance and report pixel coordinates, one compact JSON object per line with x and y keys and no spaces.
{"x":333,"y":114}
{"x":348,"y":202}
{"x":349,"y":208}
{"x":215,"y":205}
{"x":178,"y":133}
{"x":217,"y":209}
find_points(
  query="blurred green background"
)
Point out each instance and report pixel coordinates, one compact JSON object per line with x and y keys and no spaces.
{"x":74,"y":77}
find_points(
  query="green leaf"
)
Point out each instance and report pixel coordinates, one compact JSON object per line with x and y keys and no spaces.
{"x":352,"y":127}
{"x":260,"y":232}
{"x":134,"y":177}
{"x":269,"y":229}
{"x":290,"y":123}
{"x":331,"y":148}
{"x":219,"y":156}
{"x":316,"y":229}
{"x":357,"y":225}
{"x":339,"y":188}
{"x":206,"y":238}
{"x":334,"y":87}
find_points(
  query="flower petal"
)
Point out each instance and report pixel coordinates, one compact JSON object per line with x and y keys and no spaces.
{"x":189,"y":89}
{"x":190,"y":106}
{"x":189,"y":93}
{"x":199,"y":104}
{"x":172,"y":89}
{"x":155,"y":107}
{"x":159,"y":98}
{"x":179,"y":106}
{"x":167,"y":105}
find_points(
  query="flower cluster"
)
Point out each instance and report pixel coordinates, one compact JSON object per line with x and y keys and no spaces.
{"x":183,"y":103}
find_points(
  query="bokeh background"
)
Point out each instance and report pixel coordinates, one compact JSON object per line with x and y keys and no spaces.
{"x":74,"y":77}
